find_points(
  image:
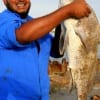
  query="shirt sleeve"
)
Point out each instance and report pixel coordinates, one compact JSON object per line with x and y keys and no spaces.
{"x":8,"y":36}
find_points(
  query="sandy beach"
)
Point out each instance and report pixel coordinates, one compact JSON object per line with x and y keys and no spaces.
{"x":60,"y":83}
{"x":64,"y":95}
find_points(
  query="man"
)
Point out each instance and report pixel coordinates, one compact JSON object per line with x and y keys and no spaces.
{"x":25,"y":48}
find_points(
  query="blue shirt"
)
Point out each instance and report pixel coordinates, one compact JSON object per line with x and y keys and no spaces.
{"x":23,"y":71}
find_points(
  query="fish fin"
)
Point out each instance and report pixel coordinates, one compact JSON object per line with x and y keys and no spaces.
{"x":82,"y":37}
{"x":63,"y":40}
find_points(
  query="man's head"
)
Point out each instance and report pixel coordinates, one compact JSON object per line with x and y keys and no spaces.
{"x":19,"y":6}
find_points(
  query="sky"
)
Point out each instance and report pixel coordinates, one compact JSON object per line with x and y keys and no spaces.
{"x":42,"y":7}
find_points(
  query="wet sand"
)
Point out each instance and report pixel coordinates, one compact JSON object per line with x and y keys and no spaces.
{"x":60,"y":90}
{"x":64,"y":95}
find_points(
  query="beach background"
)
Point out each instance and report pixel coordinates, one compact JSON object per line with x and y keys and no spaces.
{"x":59,"y":83}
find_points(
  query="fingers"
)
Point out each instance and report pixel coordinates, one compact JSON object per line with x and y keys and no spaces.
{"x":80,"y":9}
{"x":88,"y":10}
{"x":86,"y":14}
{"x":79,"y":0}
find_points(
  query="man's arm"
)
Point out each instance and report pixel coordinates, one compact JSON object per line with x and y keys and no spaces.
{"x":39,"y":27}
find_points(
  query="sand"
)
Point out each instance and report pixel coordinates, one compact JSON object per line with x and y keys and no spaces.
{"x":64,"y":95}
{"x":59,"y":87}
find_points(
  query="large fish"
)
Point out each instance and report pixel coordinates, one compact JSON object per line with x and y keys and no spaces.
{"x":80,"y":40}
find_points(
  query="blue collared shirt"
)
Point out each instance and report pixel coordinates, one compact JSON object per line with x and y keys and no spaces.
{"x":23,"y":71}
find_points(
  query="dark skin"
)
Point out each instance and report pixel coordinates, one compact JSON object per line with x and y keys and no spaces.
{"x":37,"y":28}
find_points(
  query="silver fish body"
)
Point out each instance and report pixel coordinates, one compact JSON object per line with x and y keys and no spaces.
{"x":80,"y":42}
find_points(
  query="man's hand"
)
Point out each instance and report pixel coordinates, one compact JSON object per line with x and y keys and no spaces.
{"x":79,"y":8}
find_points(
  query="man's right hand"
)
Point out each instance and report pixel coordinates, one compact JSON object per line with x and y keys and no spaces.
{"x":79,"y":8}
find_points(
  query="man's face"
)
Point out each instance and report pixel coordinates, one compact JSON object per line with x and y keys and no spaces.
{"x":19,"y":6}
